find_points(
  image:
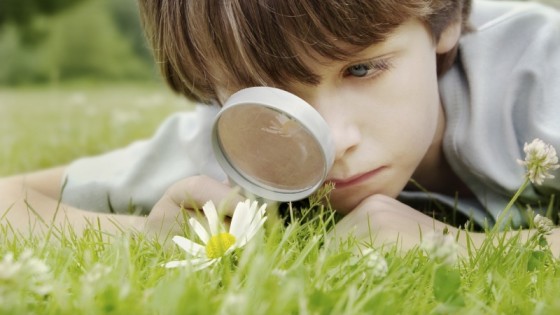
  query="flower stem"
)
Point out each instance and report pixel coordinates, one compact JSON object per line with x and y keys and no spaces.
{"x":508,"y":207}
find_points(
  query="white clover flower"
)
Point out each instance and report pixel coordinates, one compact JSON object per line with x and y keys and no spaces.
{"x":218,"y":242}
{"x":233,"y":301}
{"x":543,"y":224}
{"x":540,"y":159}
{"x":279,"y":273}
{"x":96,"y":273}
{"x":25,"y":273}
{"x":376,"y":263}
{"x":440,"y":247}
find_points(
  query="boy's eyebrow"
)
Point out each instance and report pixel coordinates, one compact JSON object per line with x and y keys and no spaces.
{"x":353,"y":54}
{"x":350,"y":53}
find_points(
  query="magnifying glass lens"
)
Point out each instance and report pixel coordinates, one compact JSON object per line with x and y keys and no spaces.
{"x":270,"y":147}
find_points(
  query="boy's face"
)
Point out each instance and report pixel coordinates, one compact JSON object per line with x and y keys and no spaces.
{"x":383,"y":109}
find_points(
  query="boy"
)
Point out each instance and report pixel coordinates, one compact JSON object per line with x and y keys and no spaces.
{"x":375,"y":71}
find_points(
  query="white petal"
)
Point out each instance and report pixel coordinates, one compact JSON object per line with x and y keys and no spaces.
{"x":252,"y":219}
{"x":254,"y":229}
{"x":240,"y":242}
{"x":240,"y":219}
{"x":199,"y":229}
{"x":212,"y":216}
{"x":257,"y":220}
{"x":195,"y":263}
{"x":176,"y":263}
{"x":200,"y":261}
{"x":205,"y":264}
{"x":250,"y":231}
{"x":189,"y":246}
{"x":262,"y":209}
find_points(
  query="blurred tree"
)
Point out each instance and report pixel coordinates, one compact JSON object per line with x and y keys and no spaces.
{"x":127,"y":20}
{"x":86,"y":41}
{"x":93,"y":40}
{"x":21,"y":12}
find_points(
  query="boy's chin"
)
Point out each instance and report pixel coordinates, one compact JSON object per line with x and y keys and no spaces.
{"x":344,"y":205}
{"x":347,"y":204}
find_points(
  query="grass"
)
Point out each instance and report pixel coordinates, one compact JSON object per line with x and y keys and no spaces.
{"x":52,"y":125}
{"x":286,"y":270}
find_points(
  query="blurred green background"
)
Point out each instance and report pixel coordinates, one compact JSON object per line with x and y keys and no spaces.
{"x":76,"y":79}
{"x":46,"y":41}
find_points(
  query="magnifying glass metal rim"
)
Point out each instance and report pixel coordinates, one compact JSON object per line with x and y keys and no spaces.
{"x":291,"y":105}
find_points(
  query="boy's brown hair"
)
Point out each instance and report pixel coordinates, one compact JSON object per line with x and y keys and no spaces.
{"x":202,"y":45}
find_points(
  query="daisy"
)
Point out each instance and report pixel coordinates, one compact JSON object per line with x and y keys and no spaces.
{"x":218,"y":241}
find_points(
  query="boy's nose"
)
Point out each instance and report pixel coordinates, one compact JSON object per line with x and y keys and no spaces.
{"x":346,"y":136}
{"x":344,"y":127}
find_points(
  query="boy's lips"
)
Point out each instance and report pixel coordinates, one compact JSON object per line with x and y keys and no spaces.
{"x":354,"y":180}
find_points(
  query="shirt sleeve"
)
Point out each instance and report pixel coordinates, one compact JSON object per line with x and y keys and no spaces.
{"x":132,"y":179}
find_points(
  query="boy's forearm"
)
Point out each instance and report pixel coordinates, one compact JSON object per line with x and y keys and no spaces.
{"x":475,"y":240}
{"x":385,"y":221}
{"x":30,"y":212}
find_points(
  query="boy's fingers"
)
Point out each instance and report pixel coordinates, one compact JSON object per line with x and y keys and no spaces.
{"x":193,"y":192}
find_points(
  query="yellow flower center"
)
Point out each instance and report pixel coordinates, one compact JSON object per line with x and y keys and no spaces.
{"x":219,"y":244}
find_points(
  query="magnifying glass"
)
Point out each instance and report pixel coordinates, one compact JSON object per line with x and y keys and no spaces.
{"x":273,"y":144}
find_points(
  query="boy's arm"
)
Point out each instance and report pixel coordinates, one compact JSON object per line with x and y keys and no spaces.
{"x":383,"y":220}
{"x":29,"y":204}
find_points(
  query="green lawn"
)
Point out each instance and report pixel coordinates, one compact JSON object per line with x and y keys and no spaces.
{"x":46,"y":126}
{"x":285,"y":269}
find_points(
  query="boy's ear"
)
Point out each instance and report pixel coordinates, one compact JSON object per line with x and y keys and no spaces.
{"x":449,"y":38}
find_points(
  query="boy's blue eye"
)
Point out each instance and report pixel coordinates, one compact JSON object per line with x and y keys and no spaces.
{"x":368,"y":69}
{"x":360,"y":70}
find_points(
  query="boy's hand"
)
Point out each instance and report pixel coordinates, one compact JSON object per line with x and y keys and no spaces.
{"x":189,"y":195}
{"x":382,"y":220}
